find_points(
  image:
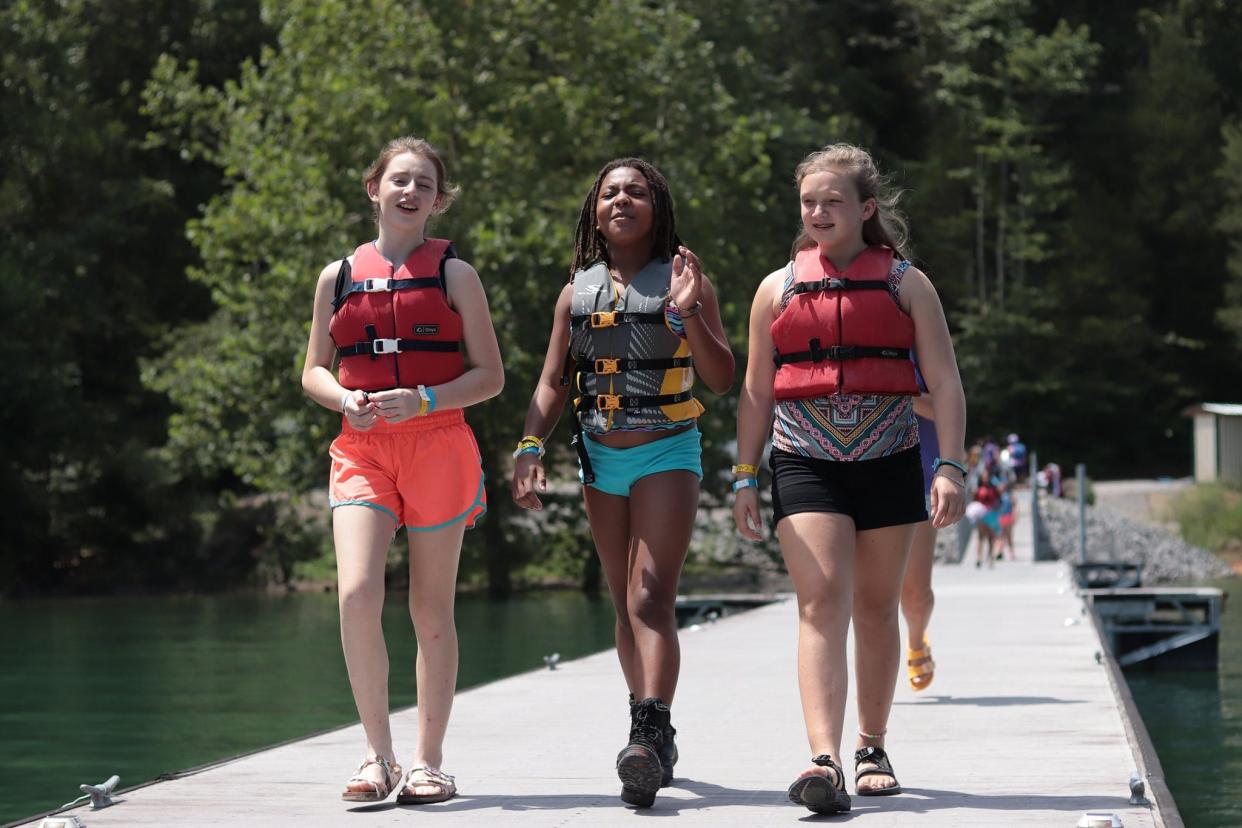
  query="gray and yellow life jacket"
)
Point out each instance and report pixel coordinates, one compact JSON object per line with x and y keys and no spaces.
{"x":633,"y":371}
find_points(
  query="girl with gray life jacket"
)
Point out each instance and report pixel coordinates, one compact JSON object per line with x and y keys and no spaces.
{"x":829,"y":380}
{"x":636,"y":324}
{"x":407,"y":323}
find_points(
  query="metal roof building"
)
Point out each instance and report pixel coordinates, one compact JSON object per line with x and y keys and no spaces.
{"x":1217,"y":442}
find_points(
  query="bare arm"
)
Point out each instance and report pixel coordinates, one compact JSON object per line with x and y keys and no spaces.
{"x":318,"y":381}
{"x":944,"y":386}
{"x":754,"y":405}
{"x":713,"y":359}
{"x":545,"y":406}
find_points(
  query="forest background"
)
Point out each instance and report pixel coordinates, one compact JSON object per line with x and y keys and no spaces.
{"x":176,"y":173}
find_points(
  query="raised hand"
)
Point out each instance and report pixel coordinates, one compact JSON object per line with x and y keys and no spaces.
{"x":687,"y":283}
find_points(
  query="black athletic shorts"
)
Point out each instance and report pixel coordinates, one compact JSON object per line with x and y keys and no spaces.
{"x":887,"y":491}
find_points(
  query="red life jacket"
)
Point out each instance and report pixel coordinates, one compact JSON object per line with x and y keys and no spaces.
{"x":841,"y":332}
{"x":396,"y":330}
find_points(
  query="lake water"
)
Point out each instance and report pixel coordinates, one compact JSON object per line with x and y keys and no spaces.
{"x":140,"y":686}
{"x":1195,"y":722}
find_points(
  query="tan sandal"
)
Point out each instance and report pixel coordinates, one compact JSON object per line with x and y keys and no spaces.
{"x":922,"y":673}
{"x":381,"y":790}
{"x":434,"y":777}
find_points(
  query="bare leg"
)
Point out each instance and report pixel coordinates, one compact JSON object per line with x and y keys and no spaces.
{"x":662,"y":510}
{"x":819,"y":554}
{"x":433,"y":588}
{"x":361,"y":535}
{"x":917,"y":597}
{"x":609,"y":519}
{"x":879,"y":568}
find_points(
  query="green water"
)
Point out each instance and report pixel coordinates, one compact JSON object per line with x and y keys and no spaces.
{"x":141,"y":686}
{"x":1195,"y":722}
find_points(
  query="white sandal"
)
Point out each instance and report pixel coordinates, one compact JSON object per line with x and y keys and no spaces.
{"x":381,"y":790}
{"x":426,"y":776}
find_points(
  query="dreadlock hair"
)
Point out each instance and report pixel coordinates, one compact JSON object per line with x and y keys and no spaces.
{"x":589,"y":244}
{"x":887,"y":225}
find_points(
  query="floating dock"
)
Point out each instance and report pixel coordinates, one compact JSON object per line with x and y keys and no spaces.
{"x":1025,"y":724}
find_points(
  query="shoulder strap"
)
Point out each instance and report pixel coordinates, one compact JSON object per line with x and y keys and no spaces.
{"x":344,"y":277}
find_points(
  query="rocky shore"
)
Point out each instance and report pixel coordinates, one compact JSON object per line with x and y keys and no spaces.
{"x":1111,"y":536}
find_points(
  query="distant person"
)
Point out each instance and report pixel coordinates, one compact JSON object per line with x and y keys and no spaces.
{"x":1005,"y":521}
{"x":637,"y":323}
{"x":408,"y":322}
{"x":917,"y":597}
{"x":987,"y":525}
{"x":847,"y":490}
{"x":1017,"y":458}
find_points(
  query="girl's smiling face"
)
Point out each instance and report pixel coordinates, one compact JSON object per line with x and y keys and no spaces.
{"x":624,"y":210}
{"x":832,"y":213}
{"x":407,"y":191}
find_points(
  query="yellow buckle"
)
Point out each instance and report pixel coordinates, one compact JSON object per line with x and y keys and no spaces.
{"x":603,"y":319}
{"x":607,"y":366}
{"x":608,"y":402}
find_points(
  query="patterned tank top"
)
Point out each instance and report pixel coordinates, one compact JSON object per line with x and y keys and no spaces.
{"x":846,"y":426}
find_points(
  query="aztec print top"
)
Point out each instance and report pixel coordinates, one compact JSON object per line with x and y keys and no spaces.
{"x":846,"y":426}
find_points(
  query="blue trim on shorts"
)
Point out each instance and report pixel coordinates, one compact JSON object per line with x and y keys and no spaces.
{"x":478,"y":499}
{"x":618,"y":469}
{"x":332,"y":504}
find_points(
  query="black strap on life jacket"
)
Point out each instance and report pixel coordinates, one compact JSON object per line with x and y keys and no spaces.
{"x":608,"y":319}
{"x":606,"y":366}
{"x":374,"y":346}
{"x":624,"y":402}
{"x":818,"y":353}
{"x":346,"y":287}
{"x":578,"y":441}
{"x":831,"y":283}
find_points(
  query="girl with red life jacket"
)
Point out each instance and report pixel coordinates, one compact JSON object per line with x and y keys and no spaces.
{"x":636,"y":324}
{"x":830,"y":379}
{"x":409,"y":324}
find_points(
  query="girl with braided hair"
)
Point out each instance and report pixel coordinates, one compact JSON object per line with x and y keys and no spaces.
{"x":636,"y":323}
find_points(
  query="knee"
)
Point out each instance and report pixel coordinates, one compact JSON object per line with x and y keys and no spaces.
{"x":360,"y":599}
{"x":824,"y":612}
{"x":918,"y":603}
{"x":871,"y":609}
{"x":651,"y":605}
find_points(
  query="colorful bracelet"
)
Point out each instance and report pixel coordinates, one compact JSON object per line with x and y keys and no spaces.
{"x":528,"y":450}
{"x":686,"y":313}
{"x":530,"y":444}
{"x":431,"y":399}
{"x":940,"y":461}
{"x":745,"y":483}
{"x":745,"y":468}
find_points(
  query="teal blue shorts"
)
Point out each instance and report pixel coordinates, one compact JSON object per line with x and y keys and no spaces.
{"x":617,"y":469}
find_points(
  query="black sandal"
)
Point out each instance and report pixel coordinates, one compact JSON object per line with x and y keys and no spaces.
{"x":883,"y":767}
{"x":819,"y":793}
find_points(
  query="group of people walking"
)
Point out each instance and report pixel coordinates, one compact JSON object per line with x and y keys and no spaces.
{"x":848,"y":353}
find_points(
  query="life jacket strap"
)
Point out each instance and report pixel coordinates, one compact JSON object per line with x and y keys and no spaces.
{"x":608,"y":365}
{"x":831,"y":283}
{"x":623,"y":402}
{"x":610,"y":319}
{"x":372,"y":347}
{"x":834,"y":353}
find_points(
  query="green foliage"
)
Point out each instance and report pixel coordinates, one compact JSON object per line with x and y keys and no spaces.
{"x":1210,"y":516}
{"x":175,"y":175}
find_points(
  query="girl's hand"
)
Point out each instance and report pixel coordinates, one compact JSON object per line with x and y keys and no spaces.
{"x":687,"y":283}
{"x":948,"y":501}
{"x":746,"y":514}
{"x":527,"y":479}
{"x":360,"y":411}
{"x":397,"y":404}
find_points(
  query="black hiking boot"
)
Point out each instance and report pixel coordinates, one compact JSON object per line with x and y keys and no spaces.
{"x":668,"y":753}
{"x":638,"y":764}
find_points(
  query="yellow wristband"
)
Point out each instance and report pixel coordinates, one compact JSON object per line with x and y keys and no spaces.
{"x":746,"y":468}
{"x":424,"y":401}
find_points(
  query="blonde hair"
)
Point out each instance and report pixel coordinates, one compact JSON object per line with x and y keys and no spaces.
{"x":887,"y":225}
{"x":417,"y":146}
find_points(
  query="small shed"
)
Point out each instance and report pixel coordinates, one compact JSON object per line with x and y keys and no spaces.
{"x":1217,"y":442}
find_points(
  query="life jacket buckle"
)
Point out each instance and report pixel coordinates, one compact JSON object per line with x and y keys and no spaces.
{"x":385,"y":346}
{"x":603,"y":319}
{"x":375,"y":285}
{"x":608,"y":402}
{"x":607,"y":366}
